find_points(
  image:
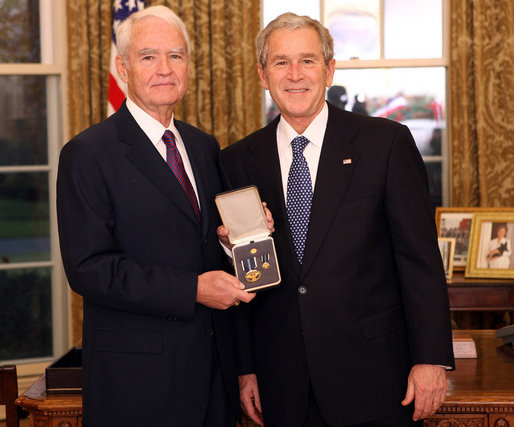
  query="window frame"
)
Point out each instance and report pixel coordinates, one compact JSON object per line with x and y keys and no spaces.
{"x":53,"y":65}
{"x":385,"y":63}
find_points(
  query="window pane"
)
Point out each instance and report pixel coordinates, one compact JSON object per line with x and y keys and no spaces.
{"x":412,"y":96}
{"x":23,"y":121}
{"x":355,"y":27}
{"x":413,"y":29}
{"x":24,"y":217}
{"x":19,"y":29}
{"x":25,"y":314}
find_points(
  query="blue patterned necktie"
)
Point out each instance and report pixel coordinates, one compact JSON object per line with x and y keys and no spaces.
{"x":175,"y":163}
{"x":299,"y":196}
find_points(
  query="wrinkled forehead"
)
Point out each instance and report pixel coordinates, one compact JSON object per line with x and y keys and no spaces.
{"x":292,"y":43}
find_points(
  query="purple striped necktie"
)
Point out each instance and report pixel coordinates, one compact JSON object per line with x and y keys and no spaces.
{"x":175,"y":163}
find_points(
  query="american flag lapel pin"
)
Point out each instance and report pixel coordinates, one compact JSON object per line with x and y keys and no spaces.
{"x":347,"y":161}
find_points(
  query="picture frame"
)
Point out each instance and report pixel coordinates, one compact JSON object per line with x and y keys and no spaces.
{"x":447,"y":249}
{"x":457,"y":222}
{"x":491,"y":253}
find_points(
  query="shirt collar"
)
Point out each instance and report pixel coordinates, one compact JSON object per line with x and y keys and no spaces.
{"x":315,"y":132}
{"x":151,"y":127}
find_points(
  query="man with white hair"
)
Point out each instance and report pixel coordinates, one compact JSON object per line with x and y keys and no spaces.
{"x":137,"y":226}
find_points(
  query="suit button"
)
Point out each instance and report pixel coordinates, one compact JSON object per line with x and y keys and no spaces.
{"x":302,"y":290}
{"x":209,"y":332}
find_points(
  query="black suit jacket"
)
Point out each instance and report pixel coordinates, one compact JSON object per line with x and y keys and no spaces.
{"x":133,"y":248}
{"x":369,"y":300}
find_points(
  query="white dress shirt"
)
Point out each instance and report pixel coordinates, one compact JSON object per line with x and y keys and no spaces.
{"x":315,"y":133}
{"x":154,"y":130}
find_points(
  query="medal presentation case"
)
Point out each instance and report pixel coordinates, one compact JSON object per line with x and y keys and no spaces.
{"x":254,"y":255}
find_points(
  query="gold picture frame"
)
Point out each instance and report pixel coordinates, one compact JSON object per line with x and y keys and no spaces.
{"x":447,"y":249}
{"x":491,"y":252}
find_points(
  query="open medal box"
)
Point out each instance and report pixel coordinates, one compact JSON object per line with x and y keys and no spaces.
{"x":254,"y":255}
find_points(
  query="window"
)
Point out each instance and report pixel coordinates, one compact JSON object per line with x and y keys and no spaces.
{"x":391,"y":59}
{"x":32,"y":285}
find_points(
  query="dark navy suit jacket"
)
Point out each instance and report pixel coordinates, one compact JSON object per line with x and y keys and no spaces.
{"x":132,"y":247}
{"x":369,"y":300}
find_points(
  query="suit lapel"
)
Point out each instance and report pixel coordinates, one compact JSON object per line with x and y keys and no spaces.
{"x":337,"y":162}
{"x":147,"y":159}
{"x":263,"y":169}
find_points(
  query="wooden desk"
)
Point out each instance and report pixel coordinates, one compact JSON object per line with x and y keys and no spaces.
{"x":480,"y":391}
{"x":480,"y":294}
{"x":52,"y":410}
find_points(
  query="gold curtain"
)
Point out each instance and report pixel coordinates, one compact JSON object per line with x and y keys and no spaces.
{"x":482,"y":102}
{"x":89,"y":26}
{"x":224,"y":95}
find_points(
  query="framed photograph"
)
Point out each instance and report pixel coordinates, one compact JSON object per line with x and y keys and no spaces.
{"x":456,"y":222}
{"x":447,"y":249}
{"x":490,"y":248}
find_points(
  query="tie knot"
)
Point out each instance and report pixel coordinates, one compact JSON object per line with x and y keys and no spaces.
{"x":299,"y":143}
{"x":168,"y":138}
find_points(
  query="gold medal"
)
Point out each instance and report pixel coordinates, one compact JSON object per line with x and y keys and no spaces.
{"x":253,"y":276}
{"x":250,"y":267}
{"x":265,"y":265}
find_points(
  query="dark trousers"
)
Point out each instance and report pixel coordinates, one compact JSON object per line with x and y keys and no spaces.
{"x":401,"y":420}
{"x":219,"y":410}
{"x":315,"y":419}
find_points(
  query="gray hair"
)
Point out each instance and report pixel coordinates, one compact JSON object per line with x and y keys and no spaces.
{"x":124,"y":30}
{"x":291,"y":21}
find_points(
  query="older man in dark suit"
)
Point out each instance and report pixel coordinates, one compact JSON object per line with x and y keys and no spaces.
{"x":359,"y":331}
{"x":137,"y":226}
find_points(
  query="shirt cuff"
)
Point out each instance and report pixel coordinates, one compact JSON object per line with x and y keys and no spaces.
{"x":228,"y":252}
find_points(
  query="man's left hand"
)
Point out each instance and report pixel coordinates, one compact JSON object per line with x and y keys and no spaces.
{"x":427,"y":387}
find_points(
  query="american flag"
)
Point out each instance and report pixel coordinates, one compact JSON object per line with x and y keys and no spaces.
{"x":117,"y":89}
